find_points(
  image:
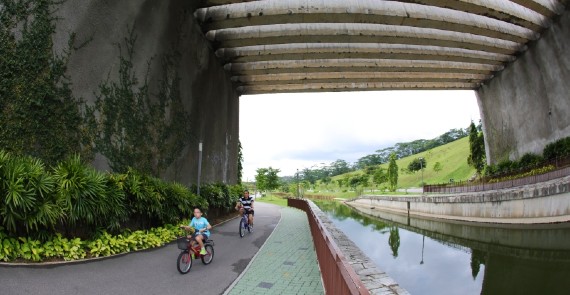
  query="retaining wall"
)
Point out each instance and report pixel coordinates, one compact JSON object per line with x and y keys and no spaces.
{"x":539,"y":203}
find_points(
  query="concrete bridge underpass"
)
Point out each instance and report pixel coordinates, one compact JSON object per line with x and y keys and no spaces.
{"x":514,"y":54}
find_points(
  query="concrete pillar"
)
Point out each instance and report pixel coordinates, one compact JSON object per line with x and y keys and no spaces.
{"x":526,"y":106}
{"x":161,"y":27}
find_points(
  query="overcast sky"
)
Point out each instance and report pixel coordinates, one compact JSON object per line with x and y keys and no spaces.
{"x":297,"y":131}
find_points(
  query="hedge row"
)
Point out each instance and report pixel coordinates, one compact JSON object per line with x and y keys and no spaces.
{"x":103,"y":244}
{"x":555,"y":150}
{"x":75,"y":200}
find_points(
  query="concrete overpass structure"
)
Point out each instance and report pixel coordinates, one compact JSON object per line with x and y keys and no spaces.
{"x":514,"y":54}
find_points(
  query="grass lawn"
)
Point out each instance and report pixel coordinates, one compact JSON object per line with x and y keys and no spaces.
{"x":272,"y":199}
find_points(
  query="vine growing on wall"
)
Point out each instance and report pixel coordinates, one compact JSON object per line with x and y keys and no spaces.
{"x":39,"y":115}
{"x":131,"y":126}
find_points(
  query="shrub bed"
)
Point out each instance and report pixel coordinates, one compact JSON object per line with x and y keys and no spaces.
{"x":72,"y":210}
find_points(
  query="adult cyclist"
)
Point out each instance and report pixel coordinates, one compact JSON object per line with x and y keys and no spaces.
{"x":245,"y":205}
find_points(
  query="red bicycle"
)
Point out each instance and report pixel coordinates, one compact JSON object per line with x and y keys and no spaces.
{"x":189,"y":253}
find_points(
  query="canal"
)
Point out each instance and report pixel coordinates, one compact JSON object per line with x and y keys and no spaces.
{"x":435,"y":257}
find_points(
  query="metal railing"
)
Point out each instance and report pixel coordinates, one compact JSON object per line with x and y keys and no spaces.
{"x":337,"y":274}
{"x":562,"y":167}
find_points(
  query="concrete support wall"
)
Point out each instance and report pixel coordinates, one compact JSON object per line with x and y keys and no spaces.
{"x":161,"y":27}
{"x":526,"y":106}
{"x":533,"y":204}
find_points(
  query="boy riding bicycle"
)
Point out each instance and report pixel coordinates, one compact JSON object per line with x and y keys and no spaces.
{"x":202,"y":229}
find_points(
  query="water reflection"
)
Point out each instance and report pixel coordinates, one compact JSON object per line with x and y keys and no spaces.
{"x":435,"y":257}
{"x":394,"y":240}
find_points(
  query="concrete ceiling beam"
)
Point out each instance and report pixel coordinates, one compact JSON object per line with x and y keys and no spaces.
{"x":357,"y":65}
{"x":359,"y":11}
{"x":334,"y":87}
{"x":210,"y":3}
{"x":502,"y":10}
{"x":548,"y":8}
{"x":521,"y":14}
{"x":357,"y":33}
{"x":336,"y":77}
{"x":298,"y":51}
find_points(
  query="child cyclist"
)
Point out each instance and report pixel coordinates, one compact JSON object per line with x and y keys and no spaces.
{"x":202,"y":229}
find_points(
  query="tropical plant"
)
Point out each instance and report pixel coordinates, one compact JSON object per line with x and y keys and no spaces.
{"x":27,"y":194}
{"x":88,"y":202}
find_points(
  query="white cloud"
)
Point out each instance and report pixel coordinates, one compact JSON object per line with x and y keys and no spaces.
{"x":296,"y":131}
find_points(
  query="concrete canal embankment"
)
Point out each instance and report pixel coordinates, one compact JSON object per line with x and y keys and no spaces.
{"x":547,"y":202}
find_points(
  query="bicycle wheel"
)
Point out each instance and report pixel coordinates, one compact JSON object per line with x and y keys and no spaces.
{"x":241,"y":228}
{"x":206,"y":259}
{"x":184,"y":262}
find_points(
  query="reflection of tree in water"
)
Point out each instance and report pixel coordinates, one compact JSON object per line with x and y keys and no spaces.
{"x":342,"y":212}
{"x":477,"y":258}
{"x":394,"y":240}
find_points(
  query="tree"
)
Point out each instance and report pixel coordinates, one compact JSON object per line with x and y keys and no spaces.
{"x":326,"y":181}
{"x":476,"y":149}
{"x":267,"y":178}
{"x":393,"y":173}
{"x":437,"y":167}
{"x":417,"y":164}
{"x":339,"y":167}
{"x":380,"y":176}
{"x":339,"y":182}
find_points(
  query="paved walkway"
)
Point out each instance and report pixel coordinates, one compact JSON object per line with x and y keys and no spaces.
{"x":286,"y":263}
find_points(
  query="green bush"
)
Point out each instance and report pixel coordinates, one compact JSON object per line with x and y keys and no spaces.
{"x":75,"y":200}
{"x":86,"y":198}
{"x":28,"y":201}
{"x":45,"y":213}
{"x":536,"y":171}
{"x":557,"y":149}
{"x":221,"y":198}
{"x":529,"y":160}
{"x":104,"y":244}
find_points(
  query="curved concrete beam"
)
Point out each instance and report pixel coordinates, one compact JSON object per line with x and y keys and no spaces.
{"x":298,"y":51}
{"x":547,"y":8}
{"x":343,"y":77}
{"x":209,"y":3}
{"x":333,"y":87}
{"x":357,"y":65}
{"x":359,"y":11}
{"x":502,"y":10}
{"x":358,"y":33}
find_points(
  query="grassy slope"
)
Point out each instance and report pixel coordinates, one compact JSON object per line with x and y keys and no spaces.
{"x":452,"y":156}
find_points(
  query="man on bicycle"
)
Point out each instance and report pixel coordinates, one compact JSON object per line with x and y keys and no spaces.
{"x":245,"y":205}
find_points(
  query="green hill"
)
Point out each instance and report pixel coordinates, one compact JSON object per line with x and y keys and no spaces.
{"x":453,"y":160}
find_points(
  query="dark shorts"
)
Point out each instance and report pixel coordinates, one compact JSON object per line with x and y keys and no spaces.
{"x":249,"y":211}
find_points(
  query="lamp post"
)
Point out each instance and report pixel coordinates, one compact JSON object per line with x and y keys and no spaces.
{"x":199,"y":167}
